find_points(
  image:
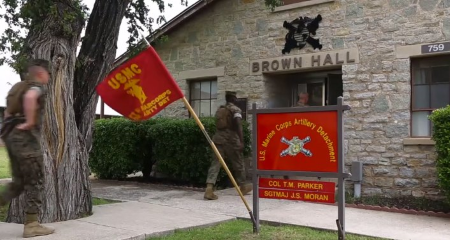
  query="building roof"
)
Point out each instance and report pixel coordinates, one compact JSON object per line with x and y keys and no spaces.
{"x":169,"y":26}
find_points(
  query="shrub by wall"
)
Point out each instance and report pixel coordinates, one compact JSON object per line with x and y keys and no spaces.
{"x":441,"y":135}
{"x":122,"y":147}
{"x":112,"y":148}
{"x":182,"y":151}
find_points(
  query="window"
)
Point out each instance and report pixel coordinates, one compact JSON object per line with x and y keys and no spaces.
{"x":430,"y":90}
{"x":203,"y":97}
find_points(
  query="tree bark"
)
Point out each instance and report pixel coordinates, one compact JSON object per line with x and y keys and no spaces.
{"x":71,"y":103}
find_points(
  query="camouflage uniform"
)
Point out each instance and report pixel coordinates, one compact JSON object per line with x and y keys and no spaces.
{"x":26,"y":157}
{"x":24,"y":150}
{"x":228,"y":143}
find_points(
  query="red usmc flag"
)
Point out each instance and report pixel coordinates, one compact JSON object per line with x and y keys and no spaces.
{"x":140,"y":88}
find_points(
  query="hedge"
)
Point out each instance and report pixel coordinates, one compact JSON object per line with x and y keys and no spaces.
{"x":441,"y":135}
{"x":179,"y":147}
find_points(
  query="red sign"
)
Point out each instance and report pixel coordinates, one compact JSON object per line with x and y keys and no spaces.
{"x":297,"y":195}
{"x":140,"y":88}
{"x":298,"y":141}
{"x":312,"y":186}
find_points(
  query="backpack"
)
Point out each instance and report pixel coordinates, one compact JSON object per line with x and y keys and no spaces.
{"x":14,"y":100}
{"x":223,"y":118}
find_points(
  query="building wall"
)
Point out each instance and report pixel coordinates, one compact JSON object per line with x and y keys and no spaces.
{"x":224,"y":39}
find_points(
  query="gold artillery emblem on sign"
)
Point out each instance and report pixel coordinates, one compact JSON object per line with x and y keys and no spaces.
{"x":135,"y":90}
{"x":296,"y":146}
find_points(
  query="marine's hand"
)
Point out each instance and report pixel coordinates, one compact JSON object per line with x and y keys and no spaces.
{"x":24,"y":126}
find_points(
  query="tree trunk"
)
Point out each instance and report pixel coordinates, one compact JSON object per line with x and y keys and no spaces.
{"x":70,"y":109}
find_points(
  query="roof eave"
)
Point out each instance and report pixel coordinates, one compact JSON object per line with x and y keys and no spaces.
{"x":167,"y":27}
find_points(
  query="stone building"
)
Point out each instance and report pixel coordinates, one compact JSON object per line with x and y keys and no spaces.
{"x":388,"y":58}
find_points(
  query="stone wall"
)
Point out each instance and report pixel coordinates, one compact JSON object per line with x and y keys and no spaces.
{"x":232,"y":33}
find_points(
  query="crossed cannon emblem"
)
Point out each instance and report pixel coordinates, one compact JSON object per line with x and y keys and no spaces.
{"x":295,"y":147}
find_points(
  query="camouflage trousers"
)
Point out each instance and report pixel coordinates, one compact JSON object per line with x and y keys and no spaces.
{"x":26,"y":159}
{"x":234,"y":155}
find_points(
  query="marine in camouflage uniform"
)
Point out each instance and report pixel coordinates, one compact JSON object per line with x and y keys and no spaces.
{"x":21,"y":135}
{"x":230,"y":143}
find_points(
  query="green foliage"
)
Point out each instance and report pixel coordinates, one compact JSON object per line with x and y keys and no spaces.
{"x":182,"y":151}
{"x":23,"y":16}
{"x":272,"y":4}
{"x":112,"y":155}
{"x":122,"y":147}
{"x":441,"y":135}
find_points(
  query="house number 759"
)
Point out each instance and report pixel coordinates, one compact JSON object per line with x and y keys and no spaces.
{"x":438,"y":47}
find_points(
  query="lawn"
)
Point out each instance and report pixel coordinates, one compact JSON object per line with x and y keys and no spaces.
{"x":4,"y":164}
{"x":95,"y":202}
{"x":241,"y":229}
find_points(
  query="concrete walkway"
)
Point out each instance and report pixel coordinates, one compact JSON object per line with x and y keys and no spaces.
{"x":120,"y":221}
{"x":153,"y":209}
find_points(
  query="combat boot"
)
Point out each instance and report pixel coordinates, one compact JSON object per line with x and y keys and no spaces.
{"x":32,"y":227}
{"x":246,"y":188}
{"x":209,"y":193}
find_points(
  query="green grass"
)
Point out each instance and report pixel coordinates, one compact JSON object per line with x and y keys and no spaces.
{"x":241,"y":229}
{"x":95,"y":202}
{"x":4,"y":164}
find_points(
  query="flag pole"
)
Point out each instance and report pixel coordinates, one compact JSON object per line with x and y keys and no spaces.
{"x":213,"y":146}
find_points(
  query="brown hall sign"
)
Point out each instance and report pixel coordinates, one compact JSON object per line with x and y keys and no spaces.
{"x":304,"y":61}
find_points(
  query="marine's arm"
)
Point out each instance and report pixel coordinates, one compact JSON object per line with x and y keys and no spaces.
{"x":30,"y":105}
{"x":240,"y":131}
{"x":237,"y":116}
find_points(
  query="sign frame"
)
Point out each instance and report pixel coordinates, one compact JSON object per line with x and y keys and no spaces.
{"x":340,"y":175}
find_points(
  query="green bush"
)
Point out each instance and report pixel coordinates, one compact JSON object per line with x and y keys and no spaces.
{"x":441,"y":135}
{"x":113,"y":148}
{"x":122,"y":147}
{"x":182,"y":151}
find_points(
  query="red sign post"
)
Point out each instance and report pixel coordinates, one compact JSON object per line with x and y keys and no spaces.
{"x":306,"y":142}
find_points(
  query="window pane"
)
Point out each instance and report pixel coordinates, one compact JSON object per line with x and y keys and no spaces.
{"x":440,"y":74}
{"x":195,"y":90}
{"x":196,"y":106}
{"x":421,"y":96}
{"x":205,"y":108}
{"x":206,"y":90}
{"x":315,"y":91}
{"x":214,"y":106}
{"x":420,"y":76}
{"x":214,"y":89}
{"x":440,"y":95}
{"x":420,"y":124}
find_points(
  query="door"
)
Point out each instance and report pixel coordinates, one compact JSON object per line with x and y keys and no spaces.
{"x":335,"y":88}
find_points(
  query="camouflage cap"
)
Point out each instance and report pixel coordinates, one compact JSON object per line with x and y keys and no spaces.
{"x":230,"y":93}
{"x":40,"y":63}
